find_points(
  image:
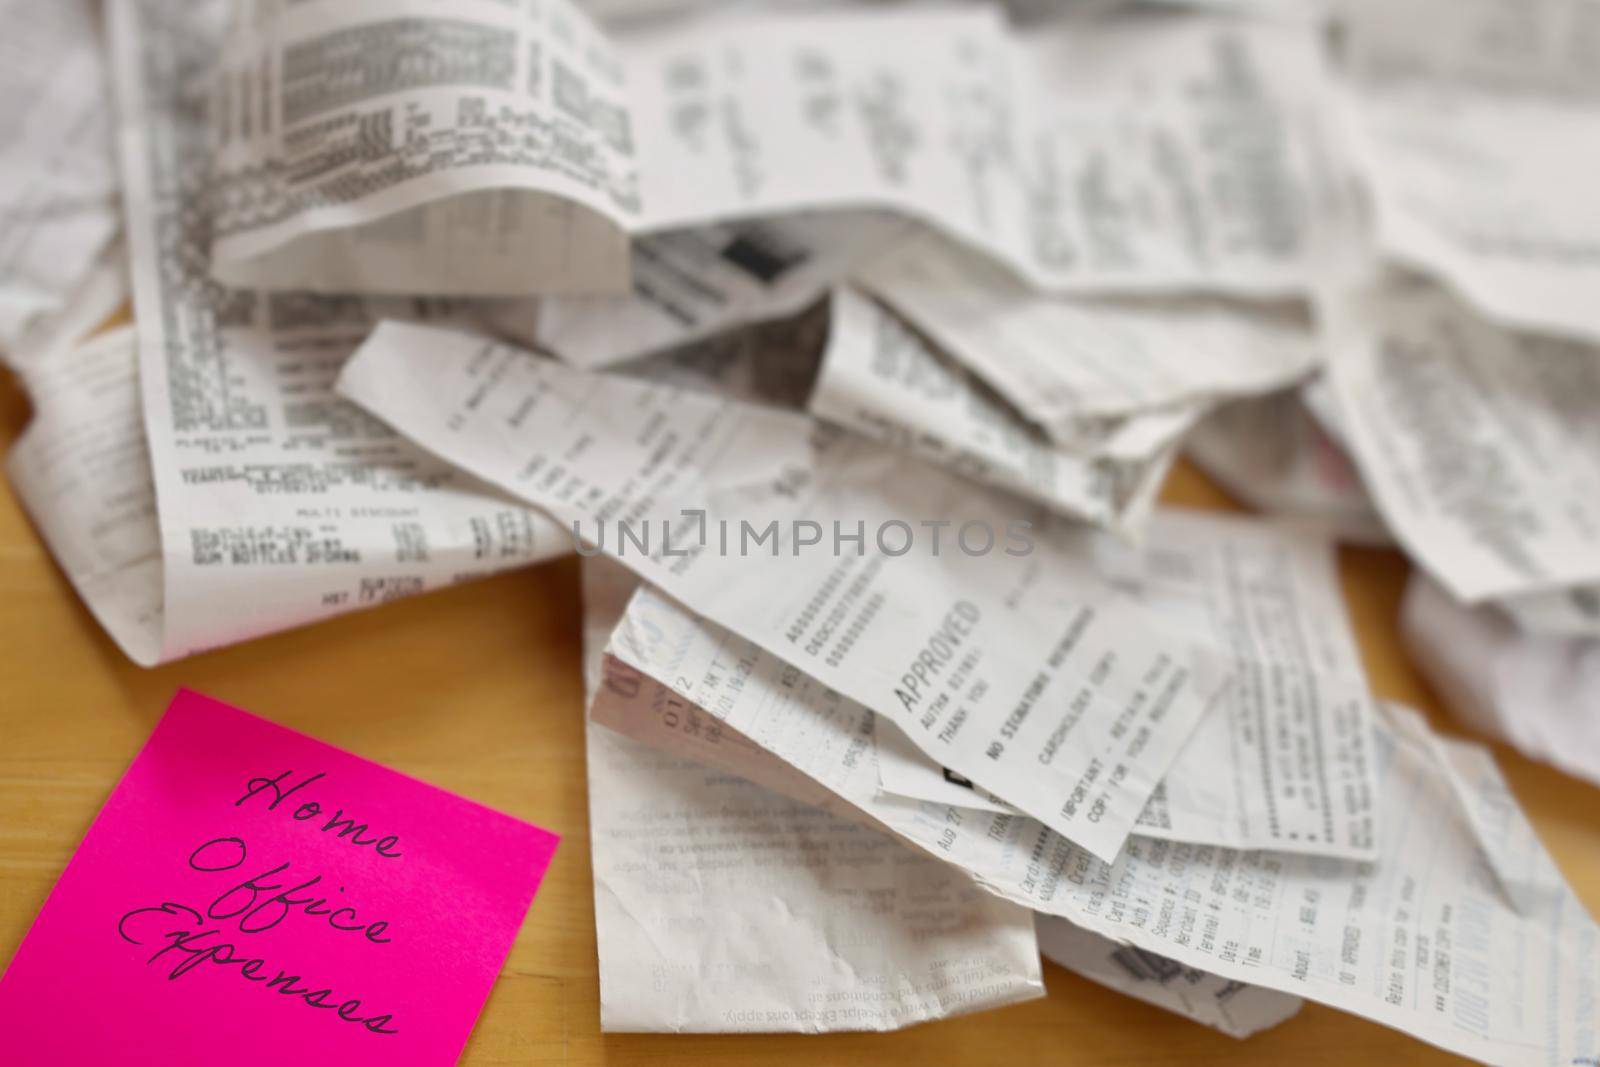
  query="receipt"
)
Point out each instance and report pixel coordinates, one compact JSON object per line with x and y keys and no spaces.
{"x":937,"y":115}
{"x":56,"y":162}
{"x":944,"y":117}
{"x":399,"y":148}
{"x":280,"y":503}
{"x":1538,"y":693}
{"x":881,"y":380}
{"x":690,"y":284}
{"x":834,"y":744}
{"x":1060,"y":361}
{"x":1425,"y":938}
{"x":526,"y":148}
{"x":1273,"y":453}
{"x":1476,"y":125}
{"x":721,"y":906}
{"x":1235,"y":1008}
{"x":1187,"y":149}
{"x":1488,"y":195}
{"x":1479,"y":445}
{"x":993,"y":649}
{"x":1285,"y":762}
{"x":82,"y":471}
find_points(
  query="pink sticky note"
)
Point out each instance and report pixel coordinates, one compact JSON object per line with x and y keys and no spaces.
{"x":232,"y":840}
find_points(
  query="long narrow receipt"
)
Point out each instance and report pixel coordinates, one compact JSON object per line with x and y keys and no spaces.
{"x":280,"y":503}
{"x":518,"y":156}
{"x":1061,"y":361}
{"x":1175,"y":162}
{"x":399,"y":147}
{"x":986,"y":652}
{"x":1286,"y":761}
{"x":1479,"y":445}
{"x":83,"y":472}
{"x":942,"y":116}
{"x":56,"y":161}
{"x":1425,"y":939}
{"x":721,"y":906}
{"x":814,"y":746}
{"x":883,"y":381}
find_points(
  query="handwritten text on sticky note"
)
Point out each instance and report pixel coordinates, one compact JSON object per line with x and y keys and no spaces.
{"x":248,"y":884}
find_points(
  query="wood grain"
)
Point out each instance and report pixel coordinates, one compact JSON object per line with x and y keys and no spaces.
{"x":476,"y":689}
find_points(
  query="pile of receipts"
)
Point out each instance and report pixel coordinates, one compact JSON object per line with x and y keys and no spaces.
{"x":850,"y":345}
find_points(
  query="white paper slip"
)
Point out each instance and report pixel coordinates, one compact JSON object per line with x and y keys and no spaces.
{"x":868,"y":94}
{"x":526,"y":148}
{"x":1235,"y":1008}
{"x":1285,"y":762}
{"x":398,"y":147}
{"x":693,"y":283}
{"x":945,"y":117}
{"x":993,"y":650}
{"x":1174,"y":154}
{"x":1490,"y":195}
{"x":57,"y":164}
{"x":1425,"y":939}
{"x":1320,"y":402}
{"x":721,"y":906}
{"x":1477,"y":129}
{"x":1460,"y":933}
{"x":880,"y":380}
{"x":733,"y":115}
{"x":687,"y":686}
{"x":1479,"y":445}
{"x":834,"y":745}
{"x":82,"y":471}
{"x":1273,"y":454}
{"x":1059,"y":360}
{"x":1538,"y":693}
{"x":280,"y":503}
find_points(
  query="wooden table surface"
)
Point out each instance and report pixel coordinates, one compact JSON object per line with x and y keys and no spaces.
{"x":476,"y":689}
